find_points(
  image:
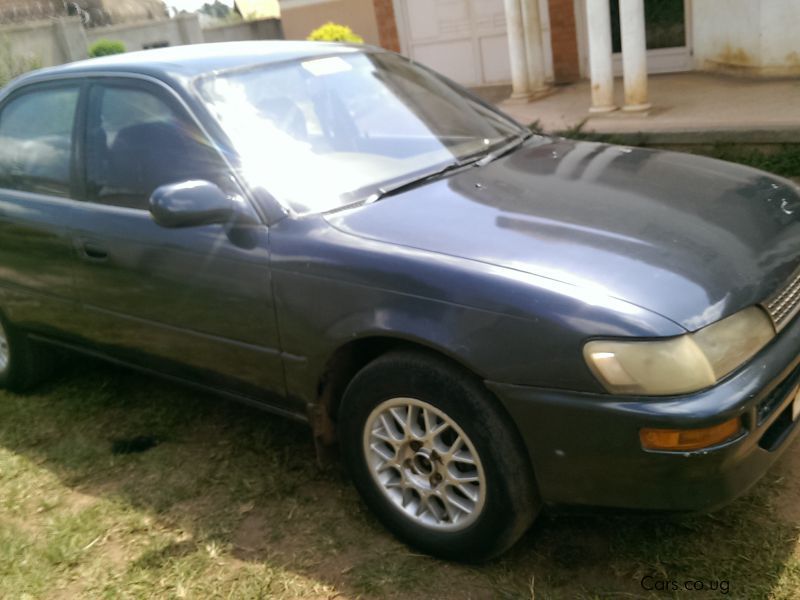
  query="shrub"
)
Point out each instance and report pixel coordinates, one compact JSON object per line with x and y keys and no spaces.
{"x":106,"y":47}
{"x":333,"y":32}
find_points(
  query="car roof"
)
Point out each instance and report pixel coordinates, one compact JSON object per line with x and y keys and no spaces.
{"x":196,"y":59}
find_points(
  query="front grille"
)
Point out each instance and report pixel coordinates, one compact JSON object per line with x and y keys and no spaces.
{"x":784,"y":304}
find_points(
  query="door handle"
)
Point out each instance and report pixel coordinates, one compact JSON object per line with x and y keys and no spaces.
{"x":94,"y":252}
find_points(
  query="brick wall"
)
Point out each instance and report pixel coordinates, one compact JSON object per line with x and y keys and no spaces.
{"x":564,"y":35}
{"x":387,"y":25}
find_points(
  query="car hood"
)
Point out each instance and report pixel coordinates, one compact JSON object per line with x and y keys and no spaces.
{"x":691,"y":238}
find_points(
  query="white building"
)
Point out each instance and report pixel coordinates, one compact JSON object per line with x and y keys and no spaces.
{"x":528,"y":42}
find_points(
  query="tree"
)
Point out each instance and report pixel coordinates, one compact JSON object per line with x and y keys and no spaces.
{"x":218,"y":10}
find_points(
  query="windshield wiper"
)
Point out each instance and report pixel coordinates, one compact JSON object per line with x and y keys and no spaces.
{"x":413,"y":182}
{"x":515,"y":143}
{"x":470,"y":161}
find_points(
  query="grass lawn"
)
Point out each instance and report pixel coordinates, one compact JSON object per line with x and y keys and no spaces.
{"x":780,"y":159}
{"x":229,"y":504}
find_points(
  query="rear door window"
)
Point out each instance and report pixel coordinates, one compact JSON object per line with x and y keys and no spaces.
{"x":36,"y":130}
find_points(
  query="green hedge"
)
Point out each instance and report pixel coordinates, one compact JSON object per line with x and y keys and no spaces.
{"x":106,"y":47}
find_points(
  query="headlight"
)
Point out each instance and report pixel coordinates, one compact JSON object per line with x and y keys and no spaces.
{"x":682,"y":364}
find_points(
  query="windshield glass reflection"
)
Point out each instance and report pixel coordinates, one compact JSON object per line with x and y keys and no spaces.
{"x":322,"y":133}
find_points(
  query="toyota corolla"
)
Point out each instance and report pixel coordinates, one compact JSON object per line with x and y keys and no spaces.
{"x":488,"y":321}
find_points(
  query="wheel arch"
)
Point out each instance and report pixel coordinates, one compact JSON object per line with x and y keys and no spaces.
{"x":352,"y":356}
{"x":466,"y":401}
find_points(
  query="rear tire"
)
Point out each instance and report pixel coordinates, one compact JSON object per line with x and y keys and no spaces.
{"x":436,"y":458}
{"x":23,"y":363}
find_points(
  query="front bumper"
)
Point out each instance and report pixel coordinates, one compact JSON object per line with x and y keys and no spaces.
{"x":585,"y":448}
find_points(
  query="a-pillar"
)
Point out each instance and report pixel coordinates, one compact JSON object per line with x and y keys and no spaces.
{"x":520,"y":77}
{"x":598,"y":17}
{"x":634,"y":54}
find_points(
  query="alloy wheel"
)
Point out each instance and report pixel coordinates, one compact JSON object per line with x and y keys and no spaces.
{"x":425,"y":464}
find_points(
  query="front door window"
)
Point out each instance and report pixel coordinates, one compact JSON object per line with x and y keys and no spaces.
{"x":137,"y":142}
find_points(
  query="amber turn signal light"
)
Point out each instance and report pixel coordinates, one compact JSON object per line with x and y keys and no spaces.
{"x":689,"y":439}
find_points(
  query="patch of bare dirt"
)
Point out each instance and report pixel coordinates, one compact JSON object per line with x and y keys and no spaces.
{"x":78,"y":501}
{"x":249,"y":539}
{"x":294,"y":535}
{"x":116,"y":553}
{"x":787,"y":502}
{"x":72,"y":589}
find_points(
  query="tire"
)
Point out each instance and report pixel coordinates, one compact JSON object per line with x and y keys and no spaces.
{"x":466,"y":501}
{"x":23,"y":364}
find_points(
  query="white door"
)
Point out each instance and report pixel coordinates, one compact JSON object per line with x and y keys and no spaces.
{"x":463,"y":39}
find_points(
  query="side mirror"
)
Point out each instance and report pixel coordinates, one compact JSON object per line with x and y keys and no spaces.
{"x":190,"y":204}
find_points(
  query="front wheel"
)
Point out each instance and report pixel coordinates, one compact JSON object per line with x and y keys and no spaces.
{"x":435,"y":458}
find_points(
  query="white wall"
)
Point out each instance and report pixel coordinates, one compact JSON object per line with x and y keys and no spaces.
{"x":227,"y":33}
{"x":137,"y":36}
{"x":752,"y":37}
{"x":264,"y":29}
{"x":48,"y":43}
{"x":780,"y":39}
{"x":57,"y":41}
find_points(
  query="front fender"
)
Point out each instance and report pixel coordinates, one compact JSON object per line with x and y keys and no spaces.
{"x":332,"y":288}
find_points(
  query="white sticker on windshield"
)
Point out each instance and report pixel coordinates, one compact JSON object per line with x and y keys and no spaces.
{"x":327,"y":66}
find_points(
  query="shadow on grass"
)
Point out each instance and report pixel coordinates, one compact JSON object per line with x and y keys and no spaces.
{"x":244,"y":484}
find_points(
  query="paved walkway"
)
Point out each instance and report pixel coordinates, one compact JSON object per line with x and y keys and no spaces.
{"x":695,"y":107}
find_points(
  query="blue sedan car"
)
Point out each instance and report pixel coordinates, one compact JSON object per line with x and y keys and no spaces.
{"x":487,"y":321}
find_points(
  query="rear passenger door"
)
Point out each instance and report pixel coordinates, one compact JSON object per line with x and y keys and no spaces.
{"x":195,"y":302}
{"x":37,"y":125}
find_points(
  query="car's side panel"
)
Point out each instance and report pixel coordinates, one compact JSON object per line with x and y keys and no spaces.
{"x":198,"y":297}
{"x":332,"y":288}
{"x":36,"y":270}
{"x":192,"y":302}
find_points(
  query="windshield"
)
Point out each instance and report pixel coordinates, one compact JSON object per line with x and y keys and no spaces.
{"x":323,"y":133}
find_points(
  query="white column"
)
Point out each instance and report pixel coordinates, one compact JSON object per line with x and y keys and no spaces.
{"x":598,"y":18}
{"x":520,"y":79}
{"x":532,"y":25}
{"x":634,"y":54}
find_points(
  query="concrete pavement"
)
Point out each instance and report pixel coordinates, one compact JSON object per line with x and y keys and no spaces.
{"x":696,"y":107}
